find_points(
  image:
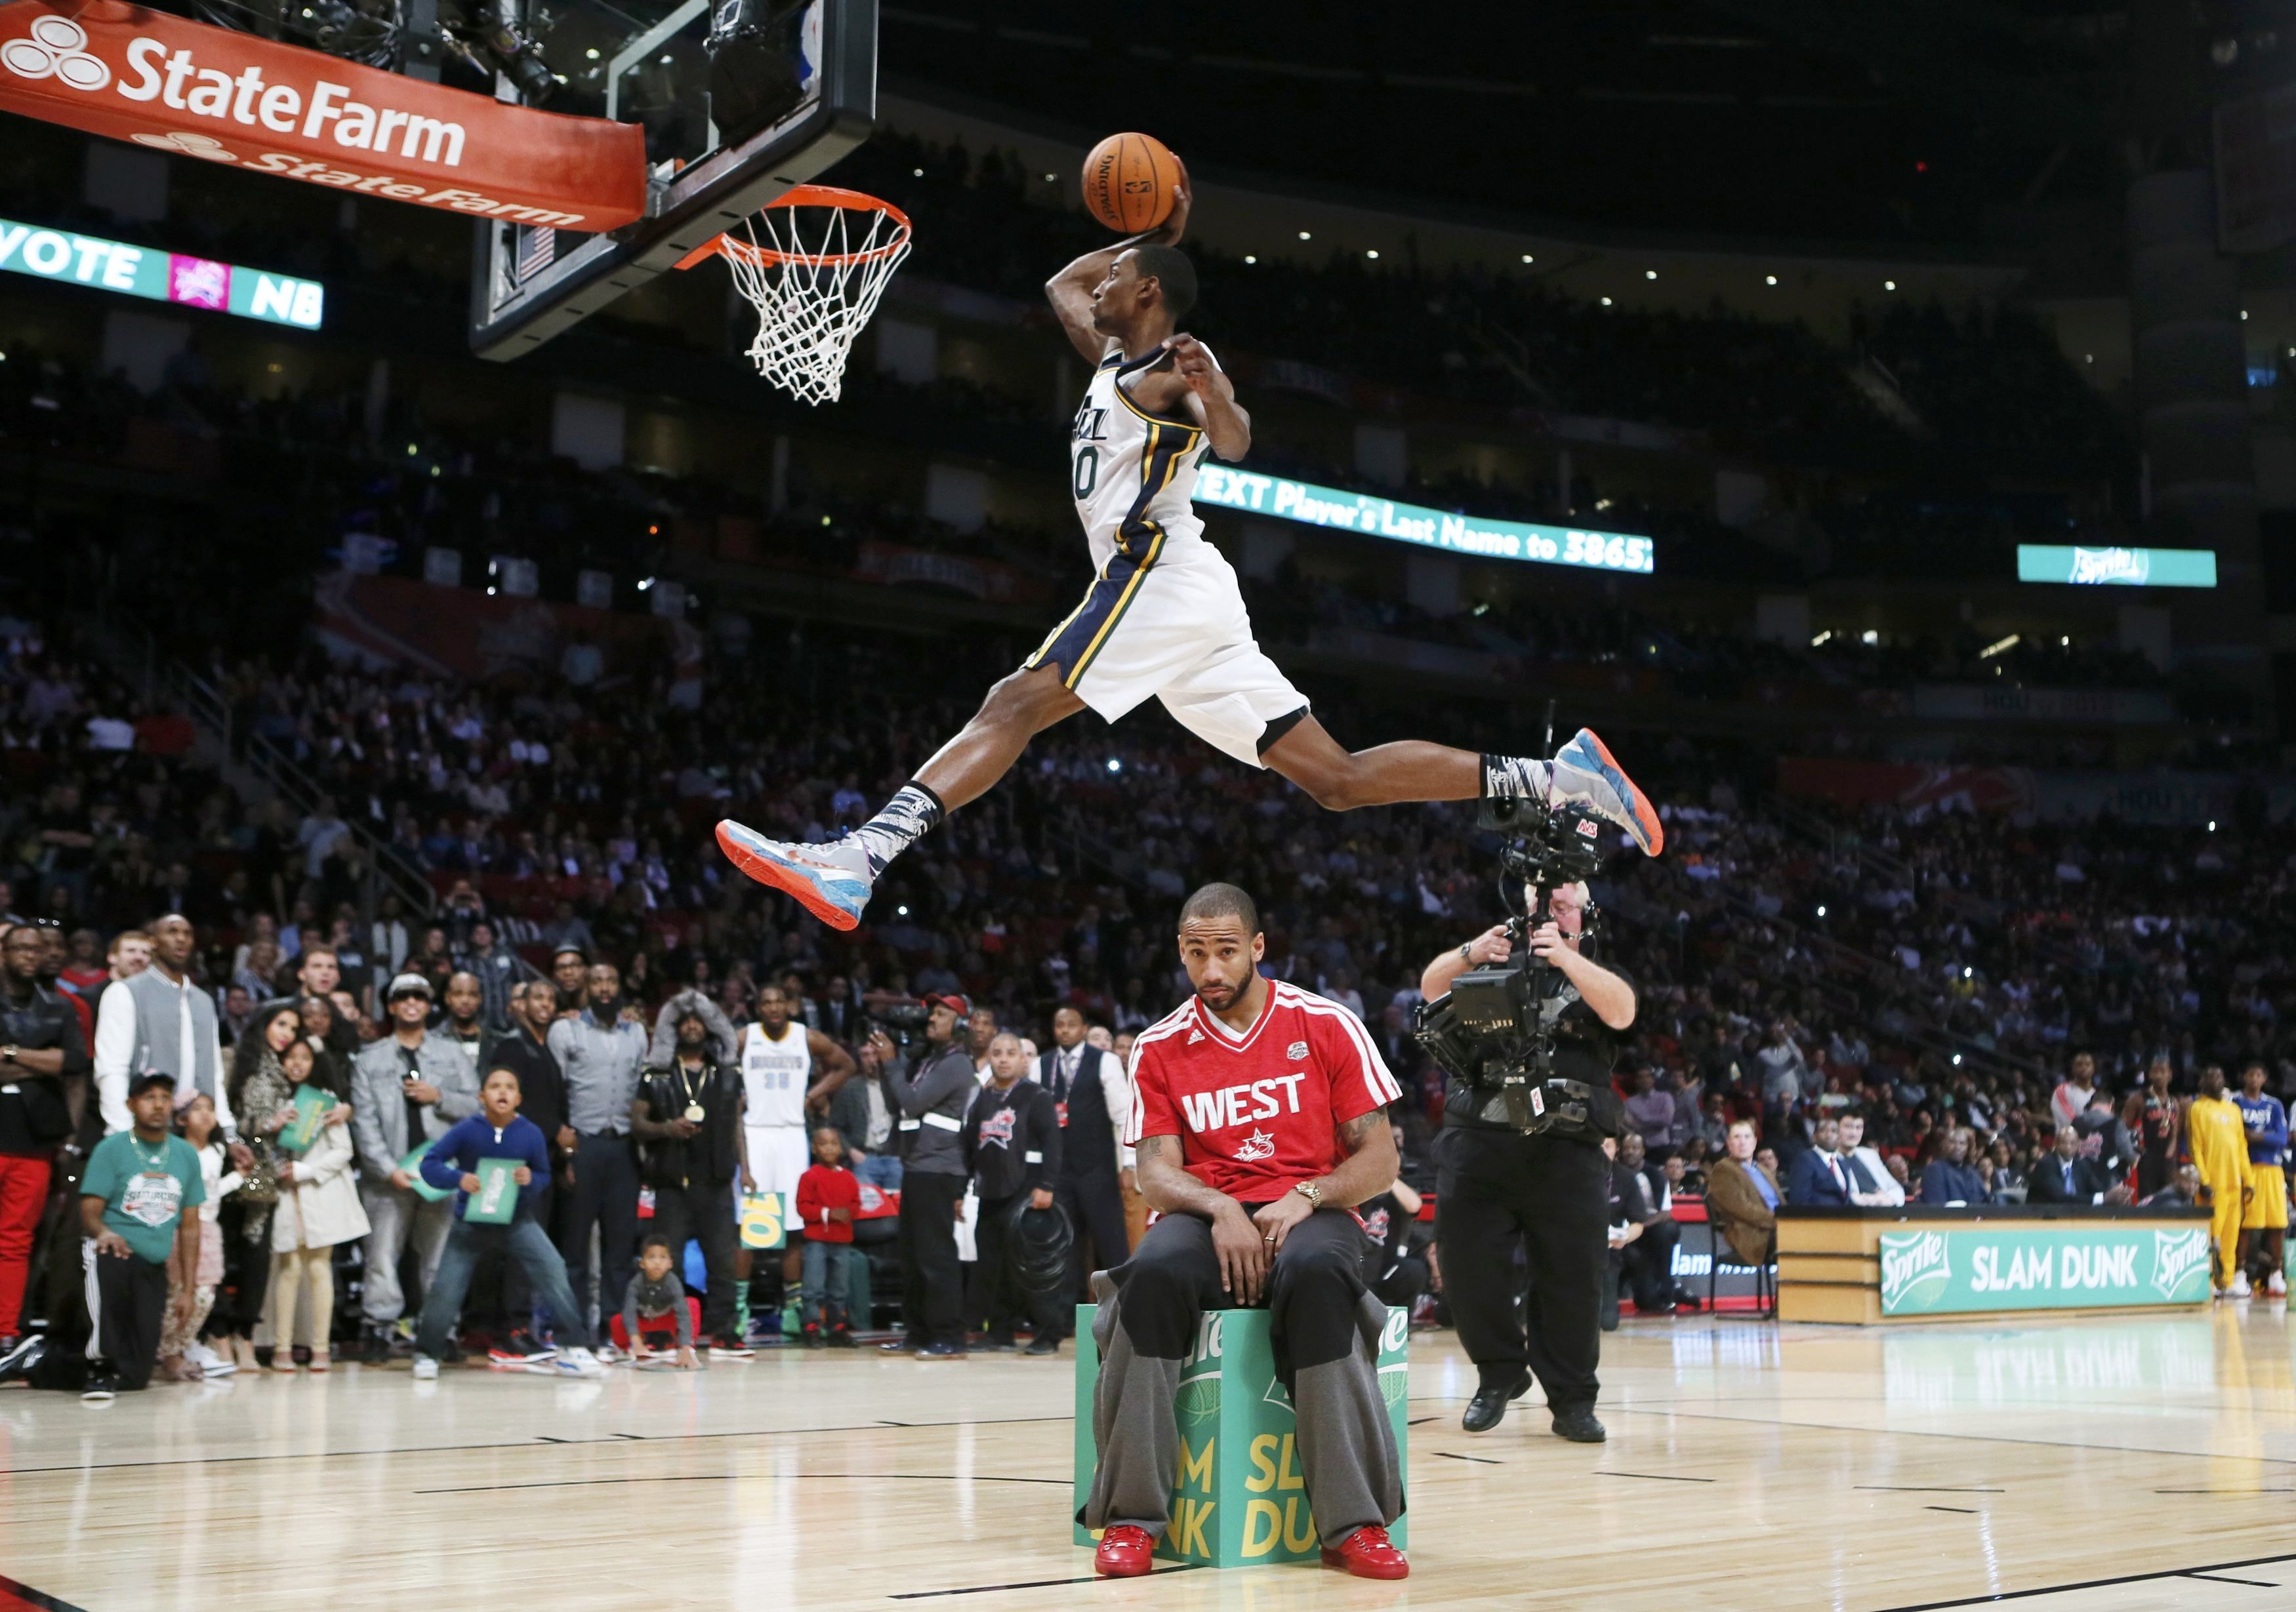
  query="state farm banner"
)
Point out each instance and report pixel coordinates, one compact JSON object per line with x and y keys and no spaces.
{"x":183,"y":87}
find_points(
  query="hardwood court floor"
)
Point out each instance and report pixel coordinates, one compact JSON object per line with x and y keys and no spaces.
{"x":2112,"y":1465}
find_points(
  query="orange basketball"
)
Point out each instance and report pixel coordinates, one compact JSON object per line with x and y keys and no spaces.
{"x":1128,"y":182}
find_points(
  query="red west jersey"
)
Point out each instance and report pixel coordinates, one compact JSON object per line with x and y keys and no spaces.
{"x":1258,"y":1112}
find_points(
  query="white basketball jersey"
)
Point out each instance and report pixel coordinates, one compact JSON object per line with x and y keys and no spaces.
{"x":776,"y":1074}
{"x":1132,"y":473}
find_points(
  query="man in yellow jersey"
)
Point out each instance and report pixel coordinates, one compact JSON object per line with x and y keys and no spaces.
{"x":2218,"y":1141}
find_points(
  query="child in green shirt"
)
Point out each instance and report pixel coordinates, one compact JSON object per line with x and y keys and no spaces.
{"x":133,"y":1197}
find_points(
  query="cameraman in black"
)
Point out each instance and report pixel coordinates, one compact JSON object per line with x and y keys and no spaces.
{"x":1498,"y":1188}
{"x":934,"y":1085}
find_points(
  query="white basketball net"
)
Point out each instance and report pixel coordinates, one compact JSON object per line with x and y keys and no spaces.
{"x":813,"y":273}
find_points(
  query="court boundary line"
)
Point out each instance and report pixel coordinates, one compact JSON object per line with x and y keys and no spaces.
{"x":610,"y":1440}
{"x":1037,"y":1584}
{"x":2097,"y":1583}
{"x":1982,"y":1438}
{"x":736,"y":1477}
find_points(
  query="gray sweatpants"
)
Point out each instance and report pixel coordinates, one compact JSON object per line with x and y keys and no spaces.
{"x":1326,"y":1329}
{"x":392,"y":1216}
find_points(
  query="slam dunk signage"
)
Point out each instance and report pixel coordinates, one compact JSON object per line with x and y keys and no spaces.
{"x":1982,"y":1267}
{"x":142,"y":271}
{"x":222,"y":96}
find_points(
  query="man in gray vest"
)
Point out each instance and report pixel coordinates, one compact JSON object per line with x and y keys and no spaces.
{"x":407,"y":1088}
{"x":160,"y":1021}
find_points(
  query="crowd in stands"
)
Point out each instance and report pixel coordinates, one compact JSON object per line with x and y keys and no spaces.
{"x":1934,"y":974}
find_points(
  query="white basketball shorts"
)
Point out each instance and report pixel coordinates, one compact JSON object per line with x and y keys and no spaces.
{"x":1174,"y":628}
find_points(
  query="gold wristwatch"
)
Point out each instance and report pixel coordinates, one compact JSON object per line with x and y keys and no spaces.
{"x":1309,"y":1190}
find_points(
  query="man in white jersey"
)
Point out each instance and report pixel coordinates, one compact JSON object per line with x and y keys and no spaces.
{"x":777,"y":1058}
{"x":1164,"y":616}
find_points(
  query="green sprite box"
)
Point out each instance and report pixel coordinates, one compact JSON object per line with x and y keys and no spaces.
{"x":413,"y":1165}
{"x":495,"y":1202}
{"x":1242,"y":1500}
{"x":312,"y":1106}
{"x":764,"y":1219}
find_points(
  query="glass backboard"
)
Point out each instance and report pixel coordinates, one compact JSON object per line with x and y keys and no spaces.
{"x":723,"y":139}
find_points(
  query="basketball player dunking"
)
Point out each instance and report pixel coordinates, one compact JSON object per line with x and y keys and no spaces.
{"x":1164,"y":616}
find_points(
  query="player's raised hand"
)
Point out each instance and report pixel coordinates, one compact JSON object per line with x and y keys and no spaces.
{"x":1176,"y":221}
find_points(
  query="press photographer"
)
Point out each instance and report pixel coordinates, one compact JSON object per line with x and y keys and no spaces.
{"x":1529,"y":1052}
{"x":934,"y":1084}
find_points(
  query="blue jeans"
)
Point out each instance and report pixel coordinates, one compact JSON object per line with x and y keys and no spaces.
{"x":525,"y":1242}
{"x":825,"y":1268}
{"x":879,"y":1170}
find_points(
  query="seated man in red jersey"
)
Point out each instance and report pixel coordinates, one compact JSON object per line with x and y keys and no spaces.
{"x":1258,"y":1112}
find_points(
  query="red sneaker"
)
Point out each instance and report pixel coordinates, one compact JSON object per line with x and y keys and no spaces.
{"x":1125,"y":1552}
{"x":1367,"y":1554}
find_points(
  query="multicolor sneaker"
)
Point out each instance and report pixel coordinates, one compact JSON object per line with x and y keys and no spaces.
{"x":1584,"y":771}
{"x":829,"y":882}
{"x":519,"y":1349}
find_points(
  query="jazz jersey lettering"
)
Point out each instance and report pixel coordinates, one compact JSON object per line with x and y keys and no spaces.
{"x":1258,"y":1112}
{"x":776,"y":1074}
{"x":1132,"y":473}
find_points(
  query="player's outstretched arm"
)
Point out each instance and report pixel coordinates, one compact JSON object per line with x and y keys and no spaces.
{"x":1070,"y":291}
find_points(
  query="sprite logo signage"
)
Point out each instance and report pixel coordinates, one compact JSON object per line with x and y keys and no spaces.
{"x":1985,"y":1266}
{"x":1242,"y":1499}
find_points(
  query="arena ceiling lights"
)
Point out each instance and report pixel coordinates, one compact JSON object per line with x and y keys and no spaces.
{"x":1367,"y":516}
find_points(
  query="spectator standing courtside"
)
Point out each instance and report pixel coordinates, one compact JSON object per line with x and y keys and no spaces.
{"x":42,"y":1053}
{"x":788,"y":1070}
{"x":407,"y":1090}
{"x":687,"y":1119}
{"x":2264,"y":1218}
{"x":139,"y":1184}
{"x":497,"y":1132}
{"x":828,"y":1196}
{"x":161,"y":1020}
{"x":1012,"y":1139}
{"x":934,"y":1100}
{"x":601,"y":1051}
{"x":1092,"y":1094}
{"x":2219,"y":1139}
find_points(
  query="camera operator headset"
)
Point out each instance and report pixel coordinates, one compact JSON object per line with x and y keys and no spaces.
{"x":1498,"y":1187}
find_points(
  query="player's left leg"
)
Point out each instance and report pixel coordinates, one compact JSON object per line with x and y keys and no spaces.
{"x":1583,"y":771}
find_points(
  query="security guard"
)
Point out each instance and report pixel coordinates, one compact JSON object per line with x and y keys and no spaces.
{"x":1497,"y":1189}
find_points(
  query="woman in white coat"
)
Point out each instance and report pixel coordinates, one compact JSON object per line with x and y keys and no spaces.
{"x":319,"y":1208}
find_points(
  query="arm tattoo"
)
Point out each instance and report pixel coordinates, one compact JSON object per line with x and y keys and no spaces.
{"x":1150,"y":1148}
{"x":1357,"y":1130}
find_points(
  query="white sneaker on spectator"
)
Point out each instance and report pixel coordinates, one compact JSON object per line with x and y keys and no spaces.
{"x":426,"y":1370}
{"x":2239,"y":1288}
{"x":607,"y":1353}
{"x":2275,"y":1286}
{"x":579,"y":1363}
{"x":210,"y":1363}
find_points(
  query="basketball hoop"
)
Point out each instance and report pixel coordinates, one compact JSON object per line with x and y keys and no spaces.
{"x":813,"y":263}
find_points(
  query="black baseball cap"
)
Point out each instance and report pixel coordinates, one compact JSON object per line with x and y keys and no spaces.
{"x":144,"y":1081}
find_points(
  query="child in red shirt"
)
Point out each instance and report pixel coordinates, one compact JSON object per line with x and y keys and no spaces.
{"x":827,"y":1198}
